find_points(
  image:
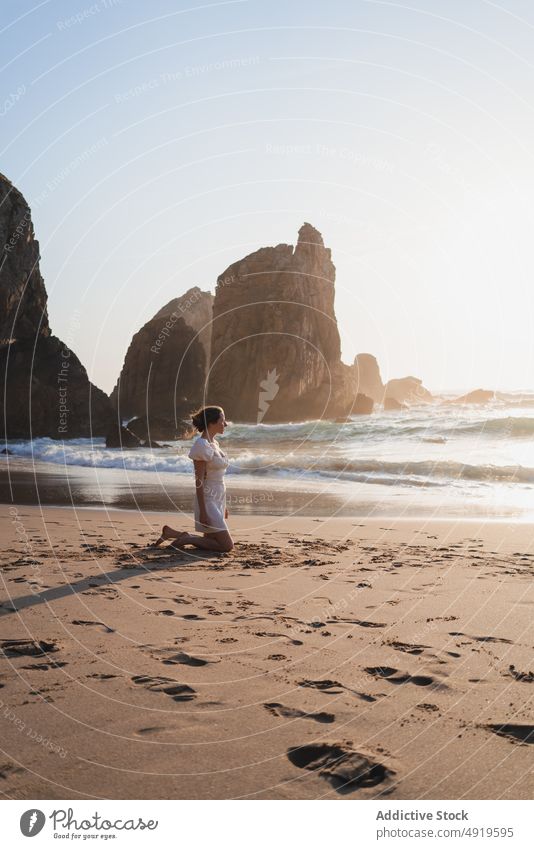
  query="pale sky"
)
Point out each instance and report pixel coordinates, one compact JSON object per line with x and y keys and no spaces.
{"x":159,"y":142}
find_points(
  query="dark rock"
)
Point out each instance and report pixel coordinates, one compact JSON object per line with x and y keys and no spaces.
{"x":196,"y":308}
{"x":23,"y":313}
{"x":408,"y":390}
{"x":122,"y":437}
{"x":363,"y":405}
{"x":275,"y":352}
{"x":367,"y":377}
{"x":478,"y":396}
{"x":45,"y":390}
{"x":393,"y":404}
{"x":164,"y":369}
{"x":47,"y":393}
{"x":160,"y":427}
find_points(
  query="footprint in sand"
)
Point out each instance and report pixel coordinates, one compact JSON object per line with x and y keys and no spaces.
{"x":105,"y":628}
{"x":32,"y":648}
{"x":361,"y":622}
{"x":406,"y":647}
{"x":179,"y":692}
{"x":153,"y":729}
{"x":481,"y":639}
{"x":340,"y":765}
{"x":273,"y":634}
{"x":326,"y":685}
{"x":278,"y":709}
{"x":169,"y":656}
{"x":334,"y":687}
{"x":102,"y":676}
{"x":516,"y":733}
{"x":395,"y":677}
{"x":8,"y":769}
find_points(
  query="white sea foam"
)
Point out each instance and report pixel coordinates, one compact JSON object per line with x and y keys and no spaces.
{"x":428,"y":447}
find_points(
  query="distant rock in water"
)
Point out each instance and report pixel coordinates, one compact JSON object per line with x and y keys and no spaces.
{"x":367,"y":377}
{"x":392,"y":404}
{"x":121,"y":437}
{"x":164,"y":370}
{"x":363,"y":405}
{"x":160,"y":427}
{"x":275,"y":350}
{"x":478,"y":396}
{"x":407,"y":390}
{"x":44,"y":390}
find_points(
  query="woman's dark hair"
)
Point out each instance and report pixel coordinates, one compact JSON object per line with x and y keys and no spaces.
{"x":205,"y":416}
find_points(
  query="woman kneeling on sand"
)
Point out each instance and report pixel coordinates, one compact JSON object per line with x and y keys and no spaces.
{"x":210,"y":501}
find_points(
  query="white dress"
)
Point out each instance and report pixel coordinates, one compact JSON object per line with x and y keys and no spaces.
{"x":214,"y":487}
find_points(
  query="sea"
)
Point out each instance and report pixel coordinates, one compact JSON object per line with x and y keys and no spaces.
{"x":435,"y":461}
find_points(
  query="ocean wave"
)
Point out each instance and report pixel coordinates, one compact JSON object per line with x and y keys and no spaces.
{"x":411,"y":472}
{"x":429,"y":426}
{"x":508,"y":426}
{"x":295,"y":463}
{"x":93,"y":453}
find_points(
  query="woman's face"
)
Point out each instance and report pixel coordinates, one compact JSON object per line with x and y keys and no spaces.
{"x":221,"y":423}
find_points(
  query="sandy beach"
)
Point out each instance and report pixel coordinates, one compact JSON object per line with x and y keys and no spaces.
{"x":320,"y":659}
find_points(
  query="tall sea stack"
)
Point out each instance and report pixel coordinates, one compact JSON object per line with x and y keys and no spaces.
{"x":45,"y":390}
{"x":275,"y":351}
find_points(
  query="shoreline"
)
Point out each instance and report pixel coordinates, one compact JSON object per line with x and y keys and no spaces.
{"x":423,"y":519}
{"x":111,"y":488}
{"x":397,"y":649}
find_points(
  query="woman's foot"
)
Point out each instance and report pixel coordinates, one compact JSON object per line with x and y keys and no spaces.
{"x":166,"y":533}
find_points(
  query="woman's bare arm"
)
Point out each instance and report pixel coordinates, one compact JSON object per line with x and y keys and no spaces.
{"x":200,"y":474}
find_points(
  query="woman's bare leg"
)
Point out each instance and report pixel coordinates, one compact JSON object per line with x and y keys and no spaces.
{"x":167,"y":533}
{"x":221,"y":541}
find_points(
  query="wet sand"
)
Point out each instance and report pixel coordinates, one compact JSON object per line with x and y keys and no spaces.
{"x":118,"y":489}
{"x":336,"y":658}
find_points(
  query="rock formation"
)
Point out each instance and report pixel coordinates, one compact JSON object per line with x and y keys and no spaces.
{"x":160,"y":427}
{"x":363,"y":405}
{"x":196,"y":308}
{"x":477,"y":396}
{"x":391,"y":404}
{"x":408,"y":390}
{"x":45,"y":390}
{"x":164,"y":370}
{"x":367,"y":377}
{"x":122,"y":437}
{"x":23,"y":313}
{"x":275,"y":350}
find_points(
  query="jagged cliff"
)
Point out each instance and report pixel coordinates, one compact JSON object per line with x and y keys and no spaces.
{"x":23,"y":313}
{"x":275,"y":351}
{"x":165,"y":366}
{"x":44,"y":390}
